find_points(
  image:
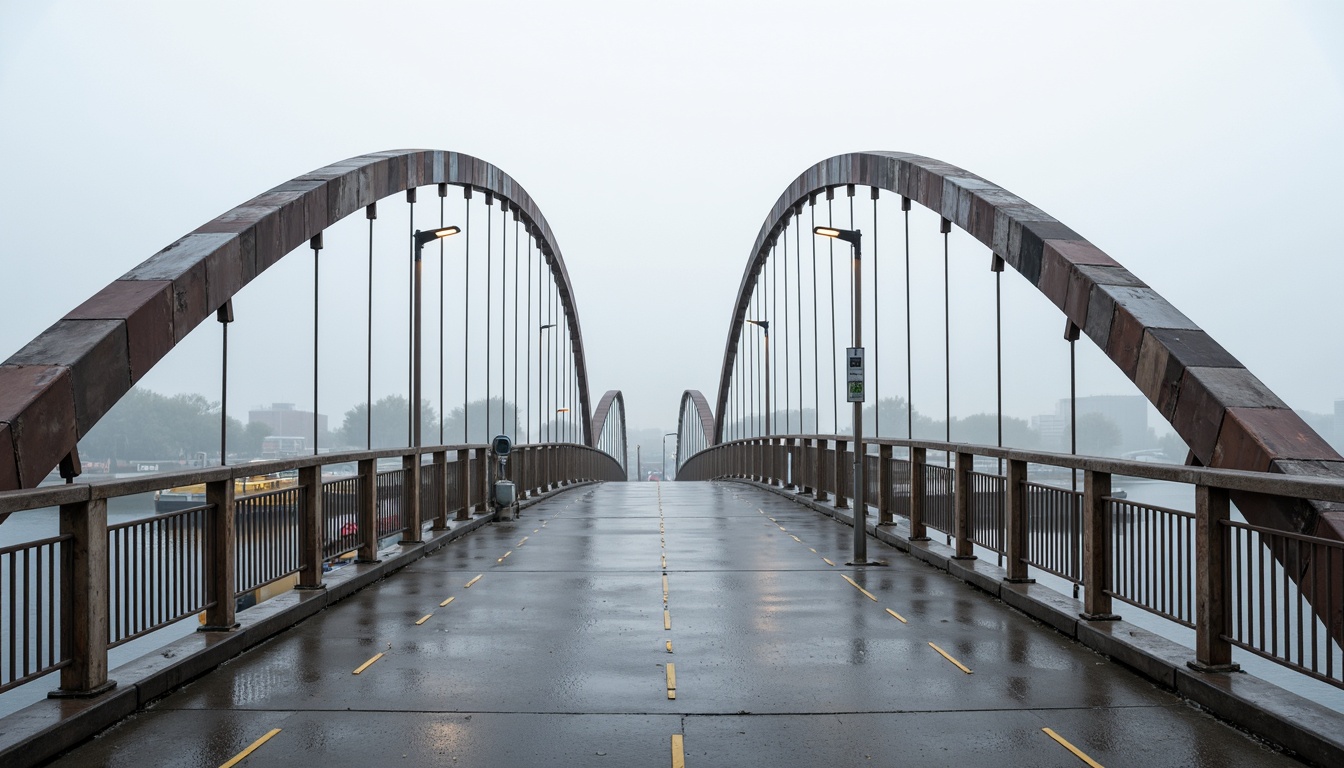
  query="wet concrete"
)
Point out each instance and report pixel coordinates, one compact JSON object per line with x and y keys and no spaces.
{"x":557,"y":655}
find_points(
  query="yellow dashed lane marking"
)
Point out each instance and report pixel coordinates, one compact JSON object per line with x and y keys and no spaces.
{"x":667,"y":619}
{"x":506,"y":554}
{"x":795,"y":538}
{"x":423,"y":619}
{"x":814,"y":551}
{"x":671,"y":681}
{"x":664,"y":561}
{"x":947,"y":656}
{"x":898,"y":616}
{"x":238,"y":758}
{"x":473,"y":581}
{"x":827,"y":561}
{"x":520,"y":541}
{"x":446,"y":602}
{"x":678,"y":751}
{"x":366,"y":664}
{"x":669,"y":646}
{"x":1078,"y":753}
{"x":855,"y":584}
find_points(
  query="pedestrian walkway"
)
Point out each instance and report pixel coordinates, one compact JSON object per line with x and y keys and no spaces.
{"x":648,"y":624}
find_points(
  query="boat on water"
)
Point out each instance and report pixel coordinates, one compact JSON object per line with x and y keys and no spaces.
{"x":189,"y":496}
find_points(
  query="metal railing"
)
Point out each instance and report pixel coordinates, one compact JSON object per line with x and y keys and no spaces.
{"x":1276,"y":594}
{"x":65,"y":600}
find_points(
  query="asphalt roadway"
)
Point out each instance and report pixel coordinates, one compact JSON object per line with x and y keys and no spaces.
{"x":647,"y":624}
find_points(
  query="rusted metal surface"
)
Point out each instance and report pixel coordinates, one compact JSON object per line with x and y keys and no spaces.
{"x":1222,"y":411}
{"x":58,"y":386}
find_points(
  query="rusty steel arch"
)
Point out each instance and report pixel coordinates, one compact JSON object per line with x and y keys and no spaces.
{"x":697,"y":433}
{"x":613,"y":397}
{"x":59,"y":385}
{"x":1227,"y":416}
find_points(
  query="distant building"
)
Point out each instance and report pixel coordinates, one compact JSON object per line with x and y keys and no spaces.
{"x":1128,"y":412}
{"x":286,"y":420}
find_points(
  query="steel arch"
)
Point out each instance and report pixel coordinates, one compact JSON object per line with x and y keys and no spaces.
{"x":604,"y":406}
{"x":704,"y":431}
{"x":60,"y":384}
{"x":1227,"y":416}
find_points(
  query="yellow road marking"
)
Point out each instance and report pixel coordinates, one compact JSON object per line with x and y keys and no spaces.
{"x":855,"y":584}
{"x":366,"y":664}
{"x":945,"y":655}
{"x":239,"y":757}
{"x":795,"y":538}
{"x":678,"y":751}
{"x":1078,"y":753}
{"x":827,"y":560}
{"x":897,"y":615}
{"x":473,"y":581}
{"x":423,"y":619}
{"x":667,"y":619}
{"x":664,"y":561}
{"x":445,"y":602}
{"x":671,"y":676}
{"x":814,"y":551}
{"x":669,"y":646}
{"x":534,"y":530}
{"x":664,"y":584}
{"x":520,"y":541}
{"x":782,"y":528}
{"x":506,"y":554}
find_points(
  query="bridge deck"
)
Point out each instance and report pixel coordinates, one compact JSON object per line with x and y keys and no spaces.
{"x":557,"y":656}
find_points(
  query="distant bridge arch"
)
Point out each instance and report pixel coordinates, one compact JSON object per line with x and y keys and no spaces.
{"x":609,"y":433}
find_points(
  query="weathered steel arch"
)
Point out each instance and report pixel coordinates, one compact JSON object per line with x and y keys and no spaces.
{"x":58,"y":386}
{"x":1227,"y":416}
{"x":613,"y":397}
{"x":697,"y":433}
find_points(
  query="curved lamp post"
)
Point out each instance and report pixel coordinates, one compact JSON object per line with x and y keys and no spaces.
{"x":421,"y":239}
{"x":853,"y":237}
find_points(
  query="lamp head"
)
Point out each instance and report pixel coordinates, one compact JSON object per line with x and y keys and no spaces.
{"x":848,"y":235}
{"x":764,"y":324}
{"x":544,"y":327}
{"x":430,"y":235}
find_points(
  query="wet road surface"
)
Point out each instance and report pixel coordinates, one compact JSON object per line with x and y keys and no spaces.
{"x":639,"y":624}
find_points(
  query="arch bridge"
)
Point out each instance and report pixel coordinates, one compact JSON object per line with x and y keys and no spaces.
{"x":730,"y":636}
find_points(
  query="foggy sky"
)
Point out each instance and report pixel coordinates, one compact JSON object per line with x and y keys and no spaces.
{"x":1197,"y":143}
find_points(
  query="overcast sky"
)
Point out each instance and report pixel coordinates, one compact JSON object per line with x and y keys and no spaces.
{"x":1197,"y":143}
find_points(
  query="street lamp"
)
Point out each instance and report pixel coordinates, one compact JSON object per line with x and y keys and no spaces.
{"x":663,"y":474}
{"x":855,"y":390}
{"x":420,"y":239}
{"x":542,"y":389}
{"x":765,"y":326}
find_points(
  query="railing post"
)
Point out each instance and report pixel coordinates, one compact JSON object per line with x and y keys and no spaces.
{"x":1096,"y":547}
{"x":411,"y":499}
{"x":521,"y":469}
{"x":963,"y":525}
{"x":310,"y":528}
{"x":1213,"y":582}
{"x":464,"y":483}
{"x":805,"y":467}
{"x":791,"y":464}
{"x":839,"y":474}
{"x":1017,"y":513}
{"x":440,"y":470}
{"x":368,"y":511}
{"x":483,"y":477}
{"x":918,"y":531}
{"x":884,"y":516}
{"x":84,"y":598}
{"x":220,"y":568}
{"x":821,"y":465}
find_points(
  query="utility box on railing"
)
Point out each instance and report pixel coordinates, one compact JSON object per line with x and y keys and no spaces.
{"x":505,"y":498}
